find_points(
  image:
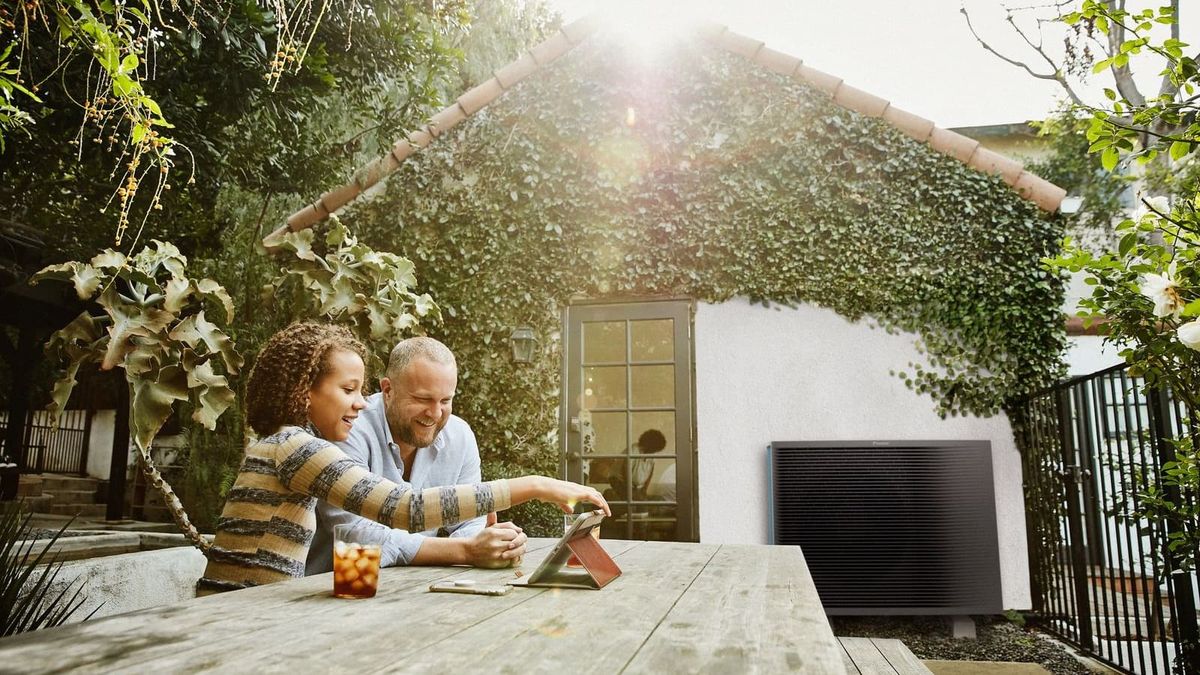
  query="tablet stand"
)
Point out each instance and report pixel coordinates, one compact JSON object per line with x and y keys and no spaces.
{"x":595,"y":560}
{"x":595,"y":571}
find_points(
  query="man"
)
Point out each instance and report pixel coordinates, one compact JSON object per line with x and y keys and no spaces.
{"x":407,"y":434}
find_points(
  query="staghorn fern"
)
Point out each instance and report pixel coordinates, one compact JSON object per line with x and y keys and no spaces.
{"x":151,"y":323}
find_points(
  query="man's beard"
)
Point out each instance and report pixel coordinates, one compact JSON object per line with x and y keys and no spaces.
{"x":406,"y":432}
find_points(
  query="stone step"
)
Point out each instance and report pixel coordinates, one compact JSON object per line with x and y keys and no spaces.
{"x":35,"y":503}
{"x":52,"y":483}
{"x":29,"y":485}
{"x":80,"y":510}
{"x":74,"y":496}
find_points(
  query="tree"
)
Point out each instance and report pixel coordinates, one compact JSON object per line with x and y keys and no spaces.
{"x":1070,"y":166}
{"x":1147,"y":291}
{"x":176,"y":98}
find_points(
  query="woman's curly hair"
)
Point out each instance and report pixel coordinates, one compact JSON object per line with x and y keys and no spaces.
{"x":290,"y":363}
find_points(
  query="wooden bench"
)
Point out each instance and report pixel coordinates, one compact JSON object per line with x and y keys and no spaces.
{"x":877,"y":656}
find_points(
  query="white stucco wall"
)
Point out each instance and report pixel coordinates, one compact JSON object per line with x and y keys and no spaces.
{"x":781,"y":374}
{"x":99,"y":460}
{"x":1087,"y":354}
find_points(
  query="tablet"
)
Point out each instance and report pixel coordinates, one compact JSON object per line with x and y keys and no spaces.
{"x":553,"y":570}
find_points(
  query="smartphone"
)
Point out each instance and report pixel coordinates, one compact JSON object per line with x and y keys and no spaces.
{"x":469,"y":586}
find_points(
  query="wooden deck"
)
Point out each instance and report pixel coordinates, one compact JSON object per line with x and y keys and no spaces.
{"x":876,"y":656}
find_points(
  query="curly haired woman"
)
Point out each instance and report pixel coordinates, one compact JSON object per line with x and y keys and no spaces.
{"x":303,"y":395}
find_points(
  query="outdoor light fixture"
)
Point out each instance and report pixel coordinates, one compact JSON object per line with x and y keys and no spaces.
{"x":1070,"y":205}
{"x":523,"y":341}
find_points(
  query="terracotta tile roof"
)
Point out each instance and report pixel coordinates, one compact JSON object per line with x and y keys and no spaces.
{"x":1041,"y":192}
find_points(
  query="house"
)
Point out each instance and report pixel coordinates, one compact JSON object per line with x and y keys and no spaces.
{"x":727,"y":247}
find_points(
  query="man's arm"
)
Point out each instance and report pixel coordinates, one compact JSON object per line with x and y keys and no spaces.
{"x":472,"y":542}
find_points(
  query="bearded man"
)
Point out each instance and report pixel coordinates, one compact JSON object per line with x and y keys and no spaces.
{"x":408,"y":434}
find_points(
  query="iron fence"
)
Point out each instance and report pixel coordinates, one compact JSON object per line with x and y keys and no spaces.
{"x":55,"y":450}
{"x":1101,"y":570}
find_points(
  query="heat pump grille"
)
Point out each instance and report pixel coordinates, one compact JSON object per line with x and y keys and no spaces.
{"x":891,"y":527}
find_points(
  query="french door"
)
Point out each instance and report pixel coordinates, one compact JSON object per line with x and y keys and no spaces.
{"x":628,"y":385}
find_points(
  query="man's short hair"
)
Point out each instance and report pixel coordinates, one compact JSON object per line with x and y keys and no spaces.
{"x":415,"y":348}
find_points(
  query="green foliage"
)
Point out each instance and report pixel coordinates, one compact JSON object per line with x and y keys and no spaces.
{"x":354,"y":285}
{"x":729,"y":181}
{"x":361,"y":76}
{"x":26,"y":578}
{"x":1071,"y":167}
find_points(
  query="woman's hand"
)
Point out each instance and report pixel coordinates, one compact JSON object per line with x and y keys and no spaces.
{"x":564,"y":493}
{"x":567,"y":494}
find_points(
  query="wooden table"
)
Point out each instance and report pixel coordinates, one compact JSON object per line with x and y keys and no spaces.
{"x":676,"y":608}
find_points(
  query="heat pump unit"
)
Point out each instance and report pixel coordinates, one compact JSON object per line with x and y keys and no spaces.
{"x":891,"y":527}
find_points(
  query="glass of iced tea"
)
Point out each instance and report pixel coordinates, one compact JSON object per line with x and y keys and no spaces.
{"x":356,"y":554}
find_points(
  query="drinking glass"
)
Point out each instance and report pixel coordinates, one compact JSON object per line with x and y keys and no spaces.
{"x":356,"y":555}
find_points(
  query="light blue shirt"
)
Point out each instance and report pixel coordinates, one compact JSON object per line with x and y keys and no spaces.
{"x":453,"y":459}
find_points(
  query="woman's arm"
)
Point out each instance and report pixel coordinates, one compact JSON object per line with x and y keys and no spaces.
{"x":315,"y":467}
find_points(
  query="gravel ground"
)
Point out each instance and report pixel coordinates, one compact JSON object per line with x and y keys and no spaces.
{"x":997,"y":640}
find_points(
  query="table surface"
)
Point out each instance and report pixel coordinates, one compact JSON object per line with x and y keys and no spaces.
{"x":677,"y":607}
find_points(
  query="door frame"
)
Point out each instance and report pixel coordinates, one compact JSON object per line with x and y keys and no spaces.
{"x":687,"y":459}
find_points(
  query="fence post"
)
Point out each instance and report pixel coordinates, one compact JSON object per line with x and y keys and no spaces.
{"x":1181,"y":582}
{"x":120,"y":457}
{"x":86,"y":444}
{"x":1072,"y":476}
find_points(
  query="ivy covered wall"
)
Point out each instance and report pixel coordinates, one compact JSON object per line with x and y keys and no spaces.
{"x":696,"y":173}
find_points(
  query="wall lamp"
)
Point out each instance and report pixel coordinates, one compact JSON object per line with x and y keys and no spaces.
{"x":523,"y":343}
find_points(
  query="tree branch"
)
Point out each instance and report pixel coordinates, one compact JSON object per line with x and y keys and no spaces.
{"x":1055,"y":76}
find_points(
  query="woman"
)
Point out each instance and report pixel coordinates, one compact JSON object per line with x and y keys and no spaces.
{"x":303,"y":395}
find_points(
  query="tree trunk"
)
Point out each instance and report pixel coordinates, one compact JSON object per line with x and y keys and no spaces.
{"x":153,"y":477}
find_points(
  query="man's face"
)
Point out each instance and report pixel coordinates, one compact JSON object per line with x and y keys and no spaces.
{"x":418,"y":402}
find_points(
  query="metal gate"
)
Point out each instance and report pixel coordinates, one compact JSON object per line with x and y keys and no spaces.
{"x":1102,"y":573}
{"x":54,"y":450}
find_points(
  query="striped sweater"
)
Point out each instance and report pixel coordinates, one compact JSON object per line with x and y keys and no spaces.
{"x":270,"y":513}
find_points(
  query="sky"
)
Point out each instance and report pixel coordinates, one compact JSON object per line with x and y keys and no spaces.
{"x":918,"y":54}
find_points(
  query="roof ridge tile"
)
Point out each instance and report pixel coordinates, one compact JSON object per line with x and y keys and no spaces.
{"x":1038,"y":190}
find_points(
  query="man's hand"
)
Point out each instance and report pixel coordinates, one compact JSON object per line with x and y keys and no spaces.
{"x":500,"y":545}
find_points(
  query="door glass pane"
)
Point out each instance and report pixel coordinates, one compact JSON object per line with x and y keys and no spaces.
{"x":599,"y":472}
{"x":662,"y":483}
{"x":604,"y":433}
{"x":604,"y":342}
{"x":653,"y":386}
{"x":604,"y":387}
{"x":648,"y":422}
{"x":653,"y":523}
{"x":652,"y":340}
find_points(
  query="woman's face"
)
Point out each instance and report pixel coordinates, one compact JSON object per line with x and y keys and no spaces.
{"x":336,"y":398}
